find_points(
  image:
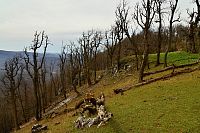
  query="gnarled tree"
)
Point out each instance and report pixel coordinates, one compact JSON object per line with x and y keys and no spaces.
{"x":173,"y":7}
{"x":122,"y":14}
{"x":63,"y":67}
{"x":119,"y":31}
{"x":193,"y":24}
{"x":87,"y":52}
{"x":74,"y":67}
{"x":159,"y":12}
{"x":11,"y":81}
{"x":33,"y":66}
{"x":97,"y":40}
{"x":144,"y":15}
{"x":110,"y":45}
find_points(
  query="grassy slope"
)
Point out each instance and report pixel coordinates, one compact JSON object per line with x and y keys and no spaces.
{"x":177,"y":58}
{"x":165,"y":106}
{"x":170,"y":106}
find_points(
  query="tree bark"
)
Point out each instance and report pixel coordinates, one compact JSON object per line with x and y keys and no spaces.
{"x":173,"y":10}
{"x":145,"y":58}
{"x":159,"y":3}
{"x":15,"y":110}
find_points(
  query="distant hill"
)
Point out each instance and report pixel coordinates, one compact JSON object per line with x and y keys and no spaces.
{"x":5,"y":55}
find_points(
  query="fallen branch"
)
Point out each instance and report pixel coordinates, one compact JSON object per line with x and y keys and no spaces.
{"x":187,"y":70}
{"x":59,"y":105}
{"x":158,"y":71}
{"x":170,"y":68}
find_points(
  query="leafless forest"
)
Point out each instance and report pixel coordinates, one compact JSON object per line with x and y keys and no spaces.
{"x":30,"y":84}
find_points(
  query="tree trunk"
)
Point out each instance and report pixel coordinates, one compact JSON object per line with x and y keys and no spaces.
{"x":136,"y":50}
{"x":169,"y":44}
{"x":159,"y":41}
{"x":111,"y":60}
{"x":63,"y":84}
{"x":79,"y":78}
{"x":166,"y":53}
{"x":145,"y":58}
{"x":88,"y":77}
{"x":51,"y":90}
{"x":22,"y":106}
{"x":119,"y":56}
{"x":14,"y":110}
{"x":173,"y":10}
{"x":37,"y":96}
{"x":95,"y":67}
{"x":136,"y":60}
{"x":76,"y":91}
{"x":191,"y":39}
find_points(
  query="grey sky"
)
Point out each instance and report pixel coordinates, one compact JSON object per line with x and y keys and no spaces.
{"x":61,"y":19}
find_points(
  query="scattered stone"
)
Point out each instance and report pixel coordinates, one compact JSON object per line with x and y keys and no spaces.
{"x":38,"y":128}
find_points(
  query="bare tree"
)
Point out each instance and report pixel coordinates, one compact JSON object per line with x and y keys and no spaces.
{"x":119,"y":31}
{"x":194,"y":20}
{"x":74,"y":67}
{"x":52,"y":81}
{"x":43,"y":85}
{"x":57,"y":83}
{"x":79,"y":59}
{"x":11,"y":81}
{"x":5,"y":116}
{"x":144,"y":16}
{"x":33,"y":66}
{"x":173,"y":7}
{"x":110,"y":44}
{"x":63,"y":65}
{"x":87,"y":52}
{"x":23,"y":98}
{"x":97,"y":40}
{"x":122,"y":15}
{"x":159,"y":11}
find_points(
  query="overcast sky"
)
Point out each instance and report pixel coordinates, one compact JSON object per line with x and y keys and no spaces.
{"x":62,"y":20}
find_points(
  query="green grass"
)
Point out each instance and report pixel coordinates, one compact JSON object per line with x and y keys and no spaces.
{"x":176,"y":58}
{"x":165,"y":106}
